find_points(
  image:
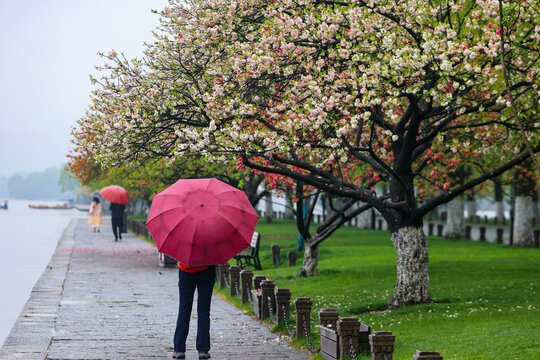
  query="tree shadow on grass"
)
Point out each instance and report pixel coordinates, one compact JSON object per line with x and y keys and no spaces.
{"x":363,"y":309}
{"x":330,"y":271}
{"x":444,"y":301}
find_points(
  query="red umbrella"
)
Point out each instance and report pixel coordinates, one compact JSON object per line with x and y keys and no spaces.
{"x":115,"y":194}
{"x":201,"y":221}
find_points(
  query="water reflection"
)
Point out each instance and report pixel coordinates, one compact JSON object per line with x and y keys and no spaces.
{"x":28,"y":238}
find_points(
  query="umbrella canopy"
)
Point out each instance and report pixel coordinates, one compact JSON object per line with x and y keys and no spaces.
{"x":115,"y":194}
{"x":201,"y":221}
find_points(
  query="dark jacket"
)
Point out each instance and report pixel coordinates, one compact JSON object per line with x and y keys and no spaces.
{"x":117,"y":210}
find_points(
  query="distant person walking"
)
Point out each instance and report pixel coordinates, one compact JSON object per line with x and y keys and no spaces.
{"x":201,"y":278}
{"x":95,"y":211}
{"x":117,"y":219}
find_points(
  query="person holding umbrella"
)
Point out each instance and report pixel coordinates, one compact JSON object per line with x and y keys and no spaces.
{"x":200,"y":223}
{"x":117,"y":219}
{"x":118,"y":196}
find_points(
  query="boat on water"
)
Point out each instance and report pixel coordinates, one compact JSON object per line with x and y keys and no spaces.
{"x":59,"y":206}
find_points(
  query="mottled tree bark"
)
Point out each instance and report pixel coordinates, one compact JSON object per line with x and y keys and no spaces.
{"x":455,"y":221}
{"x":412,"y":285}
{"x":523,"y":222}
{"x":311,"y":260}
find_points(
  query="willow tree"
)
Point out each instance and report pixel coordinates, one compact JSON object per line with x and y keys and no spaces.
{"x":337,"y":95}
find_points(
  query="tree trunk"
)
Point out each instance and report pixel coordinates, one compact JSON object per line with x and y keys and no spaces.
{"x":288,"y":214}
{"x":499,"y":203}
{"x":269,"y":210}
{"x":471,"y":208}
{"x":363,"y":221}
{"x":455,"y":222}
{"x":442,"y":212}
{"x":412,"y":285}
{"x":311,"y":260}
{"x":523,"y":222}
{"x":535,"y":210}
{"x":499,"y":211}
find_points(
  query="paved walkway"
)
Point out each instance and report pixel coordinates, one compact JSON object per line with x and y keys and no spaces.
{"x":100,"y":299}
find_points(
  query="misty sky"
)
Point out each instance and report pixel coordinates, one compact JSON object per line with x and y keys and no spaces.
{"x":47,"y":51}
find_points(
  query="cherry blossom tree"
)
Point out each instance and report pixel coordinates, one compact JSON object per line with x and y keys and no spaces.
{"x":338,"y":96}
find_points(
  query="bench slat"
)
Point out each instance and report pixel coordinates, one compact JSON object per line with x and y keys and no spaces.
{"x":328,"y":333}
{"x":244,"y":259}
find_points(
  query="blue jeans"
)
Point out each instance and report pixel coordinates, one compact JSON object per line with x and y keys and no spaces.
{"x":187,"y":282}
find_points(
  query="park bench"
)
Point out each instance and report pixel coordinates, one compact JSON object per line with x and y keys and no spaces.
{"x":250,"y":256}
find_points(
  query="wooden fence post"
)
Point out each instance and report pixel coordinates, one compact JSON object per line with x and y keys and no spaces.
{"x":500,"y":232}
{"x":382,"y":345}
{"x":247,"y":277}
{"x":275,"y":254}
{"x":267,"y":287}
{"x":223,"y":271}
{"x":482,"y":233}
{"x":283,"y":303}
{"x":303,"y":312}
{"x":328,"y":318}
{"x":291,"y":258}
{"x":235,"y":278}
{"x":363,"y":338}
{"x":468,"y":229}
{"x":347,"y":329}
{"x":257,"y":279}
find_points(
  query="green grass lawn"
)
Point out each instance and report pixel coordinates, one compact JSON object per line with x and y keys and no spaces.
{"x":486,"y":296}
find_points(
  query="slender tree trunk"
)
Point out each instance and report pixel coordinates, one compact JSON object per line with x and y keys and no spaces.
{"x":523,"y":235}
{"x":311,"y":260}
{"x":412,"y":286}
{"x":471,"y":207}
{"x":269,"y":209}
{"x":523,"y":222}
{"x":535,"y":210}
{"x":288,"y":214}
{"x":363,"y":221}
{"x":499,"y":203}
{"x":455,"y":222}
{"x":499,"y":211}
{"x":327,"y":211}
{"x":442,"y":212}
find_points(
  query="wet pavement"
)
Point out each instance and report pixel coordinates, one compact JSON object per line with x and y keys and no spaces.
{"x":101,"y":299}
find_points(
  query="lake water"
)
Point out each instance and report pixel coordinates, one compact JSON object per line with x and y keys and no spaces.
{"x":28,"y":238}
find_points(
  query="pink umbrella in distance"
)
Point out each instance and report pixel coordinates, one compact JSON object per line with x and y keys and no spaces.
{"x":201,"y":221}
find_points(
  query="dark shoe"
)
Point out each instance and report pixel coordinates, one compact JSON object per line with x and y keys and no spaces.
{"x":178,"y":355}
{"x":204,"y":355}
{"x":115,"y":239}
